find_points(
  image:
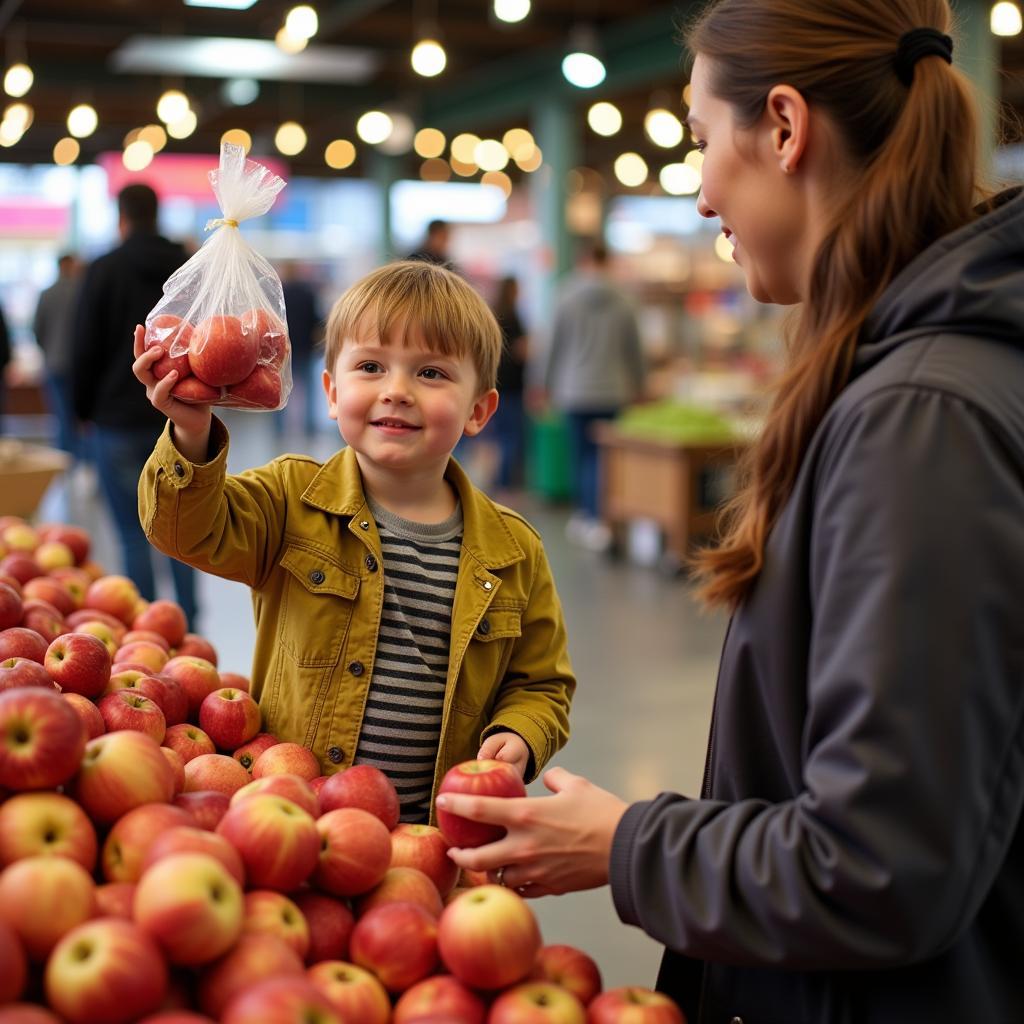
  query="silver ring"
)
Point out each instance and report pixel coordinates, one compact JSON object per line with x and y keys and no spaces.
{"x":501,"y":875}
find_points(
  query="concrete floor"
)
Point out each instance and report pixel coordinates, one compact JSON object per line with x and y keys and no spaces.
{"x":645,"y":657}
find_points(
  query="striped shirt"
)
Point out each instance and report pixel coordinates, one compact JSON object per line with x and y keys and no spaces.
{"x":402,"y":720}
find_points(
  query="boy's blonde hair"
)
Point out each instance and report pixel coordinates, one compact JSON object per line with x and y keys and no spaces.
{"x":427,"y":303}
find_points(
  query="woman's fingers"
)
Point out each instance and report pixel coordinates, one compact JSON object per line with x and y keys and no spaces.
{"x":492,"y":810}
{"x":558,"y":779}
{"x":485,"y":858}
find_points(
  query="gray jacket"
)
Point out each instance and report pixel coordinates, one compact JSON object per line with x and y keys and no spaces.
{"x":52,"y":323}
{"x":857,"y":856}
{"x":594,"y":360}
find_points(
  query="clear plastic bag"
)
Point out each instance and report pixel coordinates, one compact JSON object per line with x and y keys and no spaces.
{"x":221,"y":322}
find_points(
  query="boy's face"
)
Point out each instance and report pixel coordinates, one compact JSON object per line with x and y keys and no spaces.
{"x":405,"y":407}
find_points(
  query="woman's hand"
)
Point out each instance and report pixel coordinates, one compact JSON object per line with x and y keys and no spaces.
{"x":555,"y":844}
{"x":191,"y":422}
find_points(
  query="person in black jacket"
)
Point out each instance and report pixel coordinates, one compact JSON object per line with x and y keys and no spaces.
{"x":856,"y":855}
{"x":118,"y":291}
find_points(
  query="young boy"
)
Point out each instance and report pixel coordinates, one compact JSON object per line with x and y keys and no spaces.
{"x":403,"y":619}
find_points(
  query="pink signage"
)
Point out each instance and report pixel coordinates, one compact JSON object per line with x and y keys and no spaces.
{"x":174,"y":175}
{"x":33,"y":217}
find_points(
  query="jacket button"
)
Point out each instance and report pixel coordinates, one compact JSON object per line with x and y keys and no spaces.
{"x":364,"y":524}
{"x":335,"y":756}
{"x":179,"y":469}
{"x":371,"y":563}
{"x":356,"y":668}
{"x":317,"y":577}
{"x":484,"y":628}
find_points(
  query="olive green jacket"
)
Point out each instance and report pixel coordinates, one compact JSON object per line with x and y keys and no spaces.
{"x":299,"y":533}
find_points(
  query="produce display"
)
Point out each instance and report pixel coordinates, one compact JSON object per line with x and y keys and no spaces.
{"x":676,"y":422}
{"x":162,"y":859}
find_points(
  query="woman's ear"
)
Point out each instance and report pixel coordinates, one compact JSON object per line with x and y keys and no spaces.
{"x":789,"y":123}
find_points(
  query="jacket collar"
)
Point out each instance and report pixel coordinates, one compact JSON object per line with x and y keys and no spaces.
{"x":337,"y":489}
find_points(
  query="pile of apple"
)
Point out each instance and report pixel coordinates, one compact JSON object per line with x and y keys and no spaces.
{"x":223,"y":360}
{"x":162,"y":859}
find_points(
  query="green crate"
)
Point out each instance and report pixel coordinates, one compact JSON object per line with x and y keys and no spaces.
{"x":548,"y":457}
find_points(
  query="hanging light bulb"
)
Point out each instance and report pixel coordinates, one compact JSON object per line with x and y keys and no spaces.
{"x":66,"y":151}
{"x":340,"y":154}
{"x":172,"y":106}
{"x":18,"y":80}
{"x":374,"y":127}
{"x":581,"y":66}
{"x":1006,"y":20}
{"x":429,"y":142}
{"x":663,"y":128}
{"x":237,"y":137}
{"x":511,"y":11}
{"x":490,"y":155}
{"x":290,"y":138}
{"x":82,"y":121}
{"x":631,"y":169}
{"x":137,"y":156}
{"x":184,"y":126}
{"x":604,"y":118}
{"x":428,"y":58}
{"x":302,"y":22}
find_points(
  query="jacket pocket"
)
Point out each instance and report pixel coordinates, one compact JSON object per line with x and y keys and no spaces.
{"x":487,"y":658}
{"x":316,"y":607}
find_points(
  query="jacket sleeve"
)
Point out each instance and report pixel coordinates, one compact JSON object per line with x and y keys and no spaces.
{"x":913,"y":776}
{"x":230,"y":526}
{"x":535,"y":694}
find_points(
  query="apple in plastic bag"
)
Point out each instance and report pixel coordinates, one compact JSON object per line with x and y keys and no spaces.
{"x":272,"y":334}
{"x":260,"y":390}
{"x":192,"y":389}
{"x":221,"y":352}
{"x":166,"y":330}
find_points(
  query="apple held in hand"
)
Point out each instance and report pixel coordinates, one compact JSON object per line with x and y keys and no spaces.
{"x":221,"y":353}
{"x":439,"y":998}
{"x":571,"y":968}
{"x":398,"y":942}
{"x":365,"y":787}
{"x":105,"y":970}
{"x":478,"y":778}
{"x":42,"y":739}
{"x":631,"y":1005}
{"x":192,"y":389}
{"x":488,"y":937}
{"x":424,"y":848}
{"x":353,"y":992}
{"x":229,"y":717}
{"x":262,"y":389}
{"x":191,"y":906}
{"x":46,"y":824}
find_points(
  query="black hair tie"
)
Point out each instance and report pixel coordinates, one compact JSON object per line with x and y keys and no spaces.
{"x":918,"y":43}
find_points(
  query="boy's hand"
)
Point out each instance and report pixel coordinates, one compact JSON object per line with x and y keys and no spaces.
{"x":191,"y":422}
{"x":508,"y":747}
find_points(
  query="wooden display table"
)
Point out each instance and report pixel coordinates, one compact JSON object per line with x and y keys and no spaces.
{"x":679,"y":486}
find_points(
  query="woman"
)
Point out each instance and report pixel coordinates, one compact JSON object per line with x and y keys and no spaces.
{"x":856,"y":854}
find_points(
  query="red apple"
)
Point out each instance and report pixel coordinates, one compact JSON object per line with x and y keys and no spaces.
{"x":424,"y":848}
{"x":166,"y":618}
{"x":398,"y":942}
{"x":192,"y":906}
{"x":441,"y":997}
{"x":77,"y":618}
{"x":88,"y":713}
{"x":170,"y":334}
{"x":190,"y":839}
{"x":537,"y":1002}
{"x":239,"y":682}
{"x":75,"y":583}
{"x":354,"y":851}
{"x":632,"y":1005}
{"x":102,"y":631}
{"x":273,"y":913}
{"x":121,"y":770}
{"x":78,"y":663}
{"x":115,"y":899}
{"x":54,"y":554}
{"x":272,"y":334}
{"x":291,"y":787}
{"x":480,"y":778}
{"x":254,"y":956}
{"x":93,"y":568}
{"x":221,"y":353}
{"x":281,"y":1001}
{"x":195,"y":646}
{"x":128,"y":842}
{"x":44,"y":588}
{"x":365,"y":787}
{"x":330,"y":925}
{"x":175,"y":1017}
{"x":215,"y":771}
{"x":142,"y":652}
{"x":278,"y":841}
{"x":189,"y":741}
{"x":76,"y":538}
{"x":318,"y":784}
{"x":27,"y":1013}
{"x":10,"y":607}
{"x":19,"y":642}
{"x":488,"y":938}
{"x":197,"y":676}
{"x":46,"y":824}
{"x":286,"y":759}
{"x":402,"y":885}
{"x":149,"y":636}
{"x":192,"y":389}
{"x":41,"y":898}
{"x":13,"y":965}
{"x":105,"y":970}
{"x":18,"y":535}
{"x":354,"y":993}
{"x":229,"y":717}
{"x":177,"y":766}
{"x":571,"y":968}
{"x":246,"y":754}
{"x":260,"y":390}
{"x":115,"y":595}
{"x":206,"y":806}
{"x":127,"y":709}
{"x":20,"y":672}
{"x":43,"y":618}
{"x":42,"y":739}
{"x":166,"y":693}
{"x":21,"y":565}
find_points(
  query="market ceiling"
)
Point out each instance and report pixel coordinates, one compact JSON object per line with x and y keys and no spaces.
{"x":119,"y":56}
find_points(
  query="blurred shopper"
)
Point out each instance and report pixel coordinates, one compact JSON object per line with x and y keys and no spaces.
{"x":435,"y":245}
{"x":857,"y":853}
{"x":118,"y":290}
{"x":304,"y":327}
{"x":5,"y":358}
{"x":508,"y":425}
{"x":594,"y":368}
{"x":52,"y":327}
